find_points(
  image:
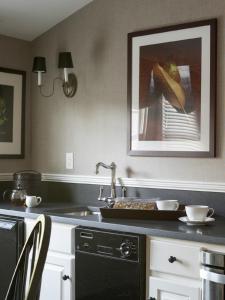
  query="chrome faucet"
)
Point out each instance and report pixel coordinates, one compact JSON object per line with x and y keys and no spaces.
{"x":112,"y":167}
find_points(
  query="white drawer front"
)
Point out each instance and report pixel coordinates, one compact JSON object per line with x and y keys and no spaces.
{"x":62,"y":236}
{"x":187,"y":261}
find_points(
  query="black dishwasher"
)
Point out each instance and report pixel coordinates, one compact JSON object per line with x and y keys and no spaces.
{"x":11,"y":243}
{"x":109,"y":265}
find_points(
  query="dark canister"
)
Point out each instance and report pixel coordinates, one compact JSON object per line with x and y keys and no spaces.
{"x":28,"y":180}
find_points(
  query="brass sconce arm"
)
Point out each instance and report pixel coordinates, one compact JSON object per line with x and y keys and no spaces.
{"x":69,"y":88}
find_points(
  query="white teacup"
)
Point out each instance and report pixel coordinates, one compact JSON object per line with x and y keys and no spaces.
{"x":198,"y":212}
{"x":167,"y":204}
{"x":32,"y":201}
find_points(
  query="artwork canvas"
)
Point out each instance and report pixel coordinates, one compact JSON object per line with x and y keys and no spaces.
{"x":12,"y":113}
{"x":171,"y":90}
{"x":6,"y":113}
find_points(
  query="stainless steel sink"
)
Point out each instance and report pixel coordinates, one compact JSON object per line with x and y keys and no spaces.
{"x":78,"y":211}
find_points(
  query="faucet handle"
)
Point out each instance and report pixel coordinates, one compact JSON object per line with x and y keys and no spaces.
{"x":110,"y":202}
{"x":124,"y":189}
{"x":101,"y":189}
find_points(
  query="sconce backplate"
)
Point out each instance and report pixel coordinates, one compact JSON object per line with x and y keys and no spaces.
{"x":70,"y":87}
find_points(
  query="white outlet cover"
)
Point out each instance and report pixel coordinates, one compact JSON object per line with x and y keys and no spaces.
{"x":69,"y":160}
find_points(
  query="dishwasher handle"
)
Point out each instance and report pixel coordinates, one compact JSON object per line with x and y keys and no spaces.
{"x":212,"y":276}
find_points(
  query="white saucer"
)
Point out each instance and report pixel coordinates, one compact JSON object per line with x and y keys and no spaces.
{"x":188,"y":222}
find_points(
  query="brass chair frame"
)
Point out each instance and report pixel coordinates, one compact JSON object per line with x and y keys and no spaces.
{"x":32,"y":259}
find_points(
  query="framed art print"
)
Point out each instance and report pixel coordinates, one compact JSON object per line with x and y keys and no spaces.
{"x":172,"y":90}
{"x":12,"y":113}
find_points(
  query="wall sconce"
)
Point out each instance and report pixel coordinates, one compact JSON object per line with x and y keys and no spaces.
{"x":65,"y":62}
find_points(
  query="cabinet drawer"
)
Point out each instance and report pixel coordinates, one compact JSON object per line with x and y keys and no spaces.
{"x":62,"y":236}
{"x":187,"y":261}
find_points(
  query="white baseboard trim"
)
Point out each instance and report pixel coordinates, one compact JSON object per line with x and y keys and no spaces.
{"x":142,"y":183}
{"x":218,"y":187}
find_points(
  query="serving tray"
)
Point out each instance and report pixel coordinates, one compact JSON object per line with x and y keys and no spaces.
{"x":141,"y":214}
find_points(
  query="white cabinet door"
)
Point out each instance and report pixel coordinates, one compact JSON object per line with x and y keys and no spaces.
{"x":162,"y":289}
{"x":53,"y":286}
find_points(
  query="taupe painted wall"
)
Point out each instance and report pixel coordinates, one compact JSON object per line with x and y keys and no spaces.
{"x":16,"y":54}
{"x":94,"y":123}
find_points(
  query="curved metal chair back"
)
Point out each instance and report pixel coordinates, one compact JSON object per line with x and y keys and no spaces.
{"x":26,"y":280}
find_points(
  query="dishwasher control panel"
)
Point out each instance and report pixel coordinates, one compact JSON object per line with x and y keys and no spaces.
{"x":108,"y":243}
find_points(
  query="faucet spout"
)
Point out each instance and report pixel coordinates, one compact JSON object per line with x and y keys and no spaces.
{"x":112,"y":167}
{"x":101,"y":164}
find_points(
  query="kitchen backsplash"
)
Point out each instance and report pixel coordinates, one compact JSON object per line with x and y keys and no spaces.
{"x":3,"y":186}
{"x":88,"y":194}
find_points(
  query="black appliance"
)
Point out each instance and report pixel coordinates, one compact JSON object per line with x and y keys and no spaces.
{"x":11,"y":243}
{"x":109,"y":265}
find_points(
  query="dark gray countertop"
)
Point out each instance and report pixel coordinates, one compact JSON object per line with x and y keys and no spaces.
{"x":213,"y":233}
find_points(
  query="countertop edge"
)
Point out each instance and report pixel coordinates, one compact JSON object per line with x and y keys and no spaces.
{"x":154,"y":232}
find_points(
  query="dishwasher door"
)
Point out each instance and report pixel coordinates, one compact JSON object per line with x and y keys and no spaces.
{"x":101,"y":278}
{"x":109,"y":265}
{"x":11,"y":243}
{"x":213,"y":275}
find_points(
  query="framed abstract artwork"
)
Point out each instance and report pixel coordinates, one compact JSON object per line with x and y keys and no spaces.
{"x":12,"y":113}
{"x":172,"y":90}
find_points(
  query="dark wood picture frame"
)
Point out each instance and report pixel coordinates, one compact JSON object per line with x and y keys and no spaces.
{"x":16,"y":81}
{"x":210,"y":151}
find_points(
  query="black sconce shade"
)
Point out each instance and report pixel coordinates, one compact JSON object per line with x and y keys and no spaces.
{"x":69,"y":80}
{"x":65,"y":60}
{"x":39,"y":64}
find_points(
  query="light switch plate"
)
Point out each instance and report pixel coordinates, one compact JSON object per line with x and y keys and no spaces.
{"x":69,"y":161}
